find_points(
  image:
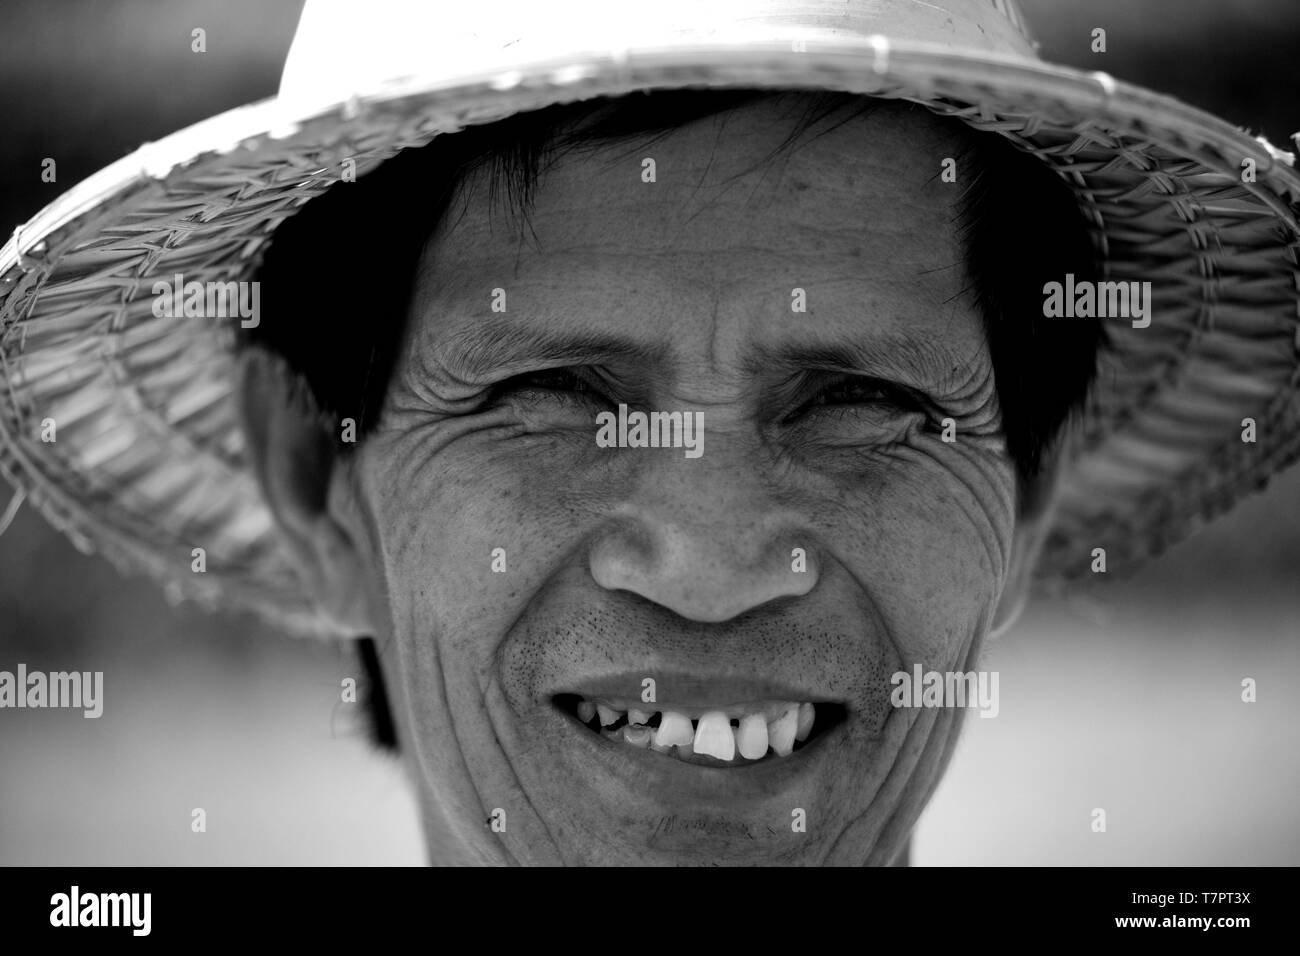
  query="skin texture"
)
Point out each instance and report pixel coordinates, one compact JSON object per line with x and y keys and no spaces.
{"x":625,"y":563}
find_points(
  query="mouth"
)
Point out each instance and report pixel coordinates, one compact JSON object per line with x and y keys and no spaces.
{"x":729,"y":736}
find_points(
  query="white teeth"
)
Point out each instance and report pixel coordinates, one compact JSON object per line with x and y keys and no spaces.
{"x":780,"y":733}
{"x":806,"y":714}
{"x":713,"y":736}
{"x":751,"y":736}
{"x":674,"y":729}
{"x":775,"y":724}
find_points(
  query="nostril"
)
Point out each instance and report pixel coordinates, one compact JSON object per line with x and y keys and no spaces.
{"x":697,"y":577}
{"x":618,"y":564}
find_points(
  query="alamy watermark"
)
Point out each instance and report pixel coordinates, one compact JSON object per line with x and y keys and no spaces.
{"x":75,"y":908}
{"x":72,"y":689}
{"x":652,"y":430}
{"x":1098,"y":300}
{"x":946,"y":689}
{"x":208,"y":300}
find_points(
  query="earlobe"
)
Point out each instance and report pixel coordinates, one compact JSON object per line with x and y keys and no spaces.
{"x":294,"y":462}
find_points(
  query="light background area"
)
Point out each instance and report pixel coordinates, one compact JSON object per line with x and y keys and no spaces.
{"x":1126,"y":697}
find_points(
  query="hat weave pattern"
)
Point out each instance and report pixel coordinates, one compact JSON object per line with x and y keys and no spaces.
{"x":149,"y":461}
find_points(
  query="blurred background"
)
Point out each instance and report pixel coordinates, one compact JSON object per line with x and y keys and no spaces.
{"x":1125,"y":697}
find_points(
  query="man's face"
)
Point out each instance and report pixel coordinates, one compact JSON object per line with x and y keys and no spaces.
{"x":823,"y":437}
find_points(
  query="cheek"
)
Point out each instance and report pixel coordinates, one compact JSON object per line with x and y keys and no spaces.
{"x":925,"y":530}
{"x":473,"y":520}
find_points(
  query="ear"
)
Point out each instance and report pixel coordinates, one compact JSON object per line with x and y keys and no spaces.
{"x":295,"y":462}
{"x":1033,"y":522}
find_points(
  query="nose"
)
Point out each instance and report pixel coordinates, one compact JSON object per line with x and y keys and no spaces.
{"x":705,"y":543}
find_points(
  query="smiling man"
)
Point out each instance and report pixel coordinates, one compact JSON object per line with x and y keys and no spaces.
{"x":633,"y":655}
{"x":588,"y":646}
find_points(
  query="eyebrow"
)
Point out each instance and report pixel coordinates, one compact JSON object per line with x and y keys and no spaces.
{"x":490,"y":349}
{"x":884,"y":354}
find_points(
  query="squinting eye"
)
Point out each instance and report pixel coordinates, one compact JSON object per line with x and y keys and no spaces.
{"x":558,"y":383}
{"x":853,"y":391}
{"x":858,"y":390}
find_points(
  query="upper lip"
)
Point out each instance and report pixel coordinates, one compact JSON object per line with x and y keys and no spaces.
{"x":693,"y":689}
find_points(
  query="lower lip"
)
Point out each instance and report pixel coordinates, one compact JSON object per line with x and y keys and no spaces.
{"x":667,"y":780}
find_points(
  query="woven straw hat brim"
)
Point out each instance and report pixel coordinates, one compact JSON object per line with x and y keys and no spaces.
{"x":149,"y":460}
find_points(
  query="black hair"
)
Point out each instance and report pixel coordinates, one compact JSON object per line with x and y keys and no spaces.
{"x":338,"y":276}
{"x":379,"y":725}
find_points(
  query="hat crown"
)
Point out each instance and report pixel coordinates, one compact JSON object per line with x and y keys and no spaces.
{"x":341,"y":48}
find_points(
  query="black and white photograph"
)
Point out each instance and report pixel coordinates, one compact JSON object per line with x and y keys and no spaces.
{"x":743,"y":433}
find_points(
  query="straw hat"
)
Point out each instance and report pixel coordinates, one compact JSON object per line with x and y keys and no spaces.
{"x":149,"y":461}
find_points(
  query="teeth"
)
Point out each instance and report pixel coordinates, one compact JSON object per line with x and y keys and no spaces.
{"x":751,"y":736}
{"x":804,"y":727}
{"x":774,"y":723}
{"x":674,"y":729}
{"x":780,"y":733}
{"x":714,"y":737}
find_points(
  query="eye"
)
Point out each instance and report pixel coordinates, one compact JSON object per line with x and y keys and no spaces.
{"x":555,"y":384}
{"x":854,"y":391}
{"x":843,"y":392}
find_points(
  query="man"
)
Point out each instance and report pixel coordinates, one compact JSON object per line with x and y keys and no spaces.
{"x":843,"y":322}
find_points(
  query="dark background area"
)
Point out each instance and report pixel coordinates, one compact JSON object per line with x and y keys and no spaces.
{"x":1124,"y":696}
